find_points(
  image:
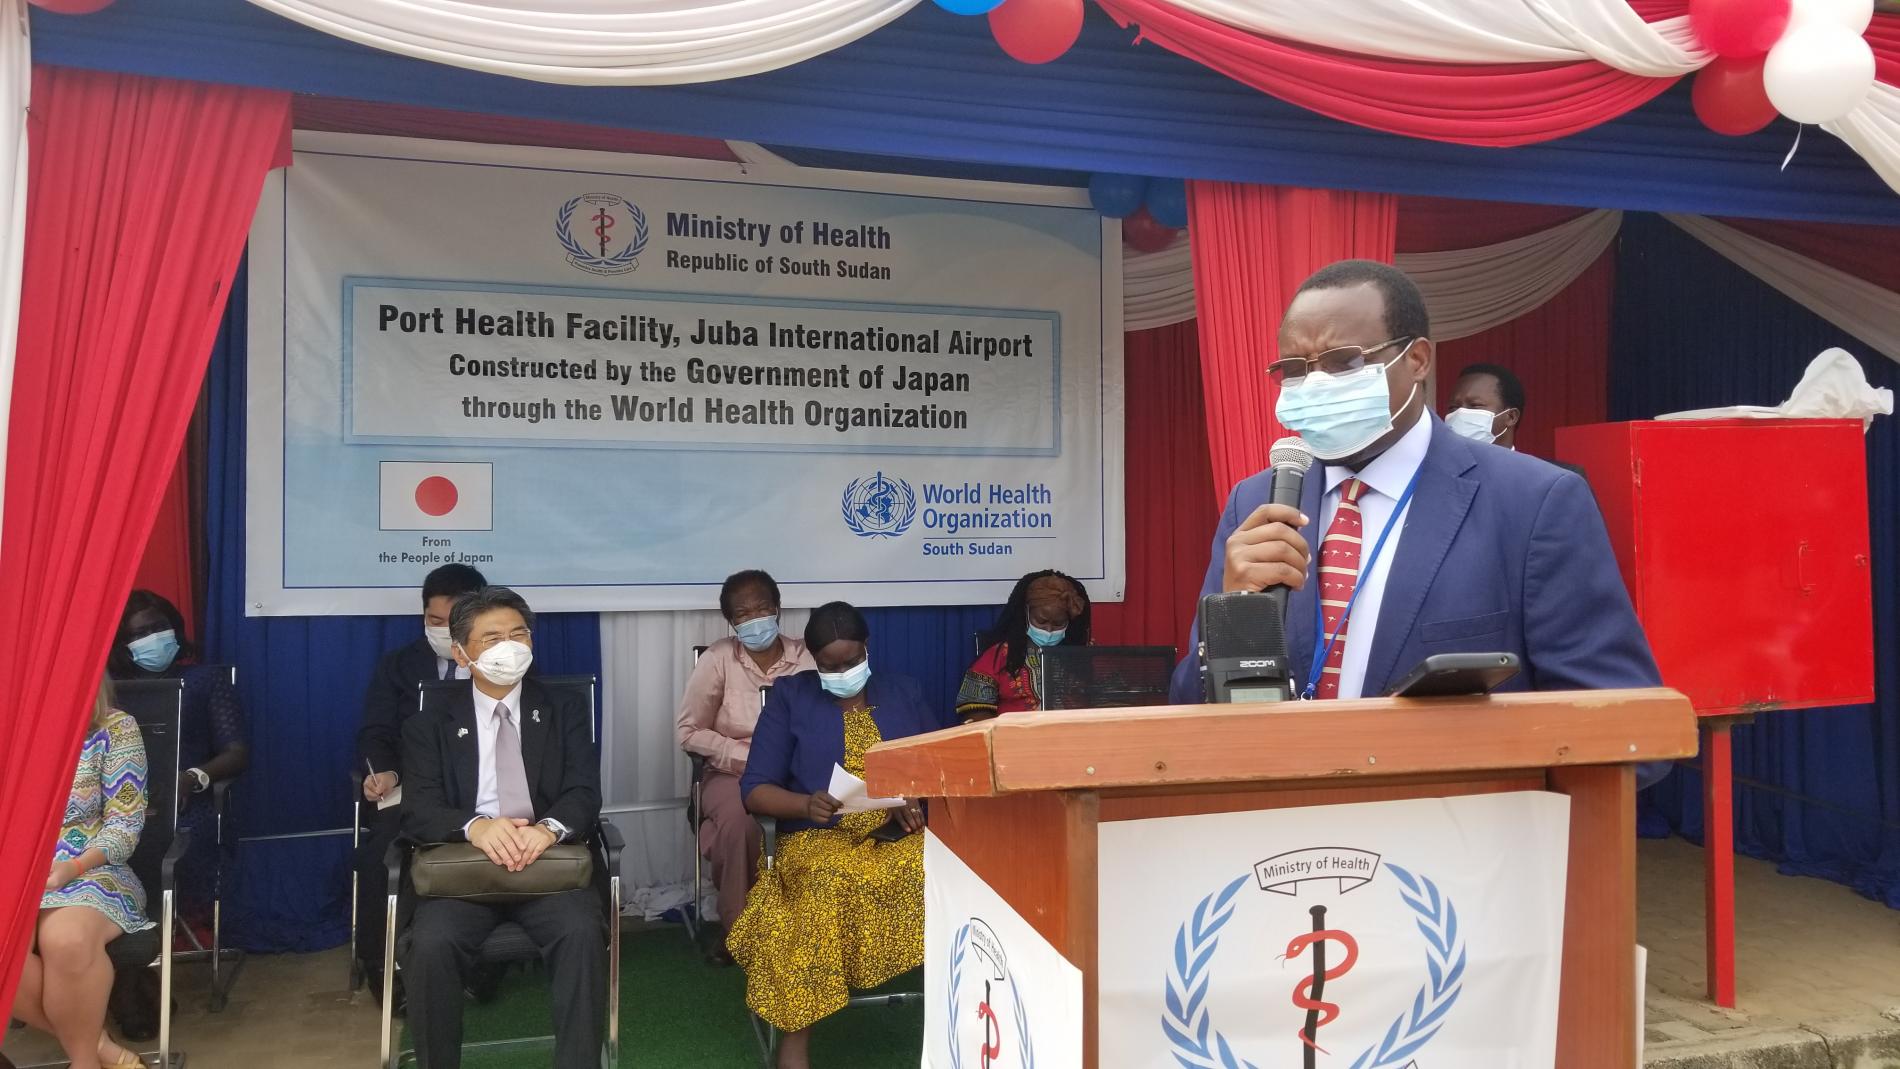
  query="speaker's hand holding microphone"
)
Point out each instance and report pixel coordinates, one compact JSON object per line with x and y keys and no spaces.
{"x":1267,"y":550}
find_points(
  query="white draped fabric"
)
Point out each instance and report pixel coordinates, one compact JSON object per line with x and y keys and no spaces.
{"x":16,"y":81}
{"x":1873,"y":130}
{"x":1474,"y":31}
{"x":645,"y":659}
{"x":1157,"y":287}
{"x":1855,"y":305}
{"x":1469,"y":291}
{"x":600,"y":42}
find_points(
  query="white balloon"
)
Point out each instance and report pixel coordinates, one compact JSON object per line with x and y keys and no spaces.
{"x":1818,"y":72}
{"x":1852,"y":15}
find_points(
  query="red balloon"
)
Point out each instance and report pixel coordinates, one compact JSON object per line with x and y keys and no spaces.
{"x":1036,"y":31}
{"x":1729,"y":97}
{"x":72,"y":7}
{"x":1738,"y":29}
{"x":1142,"y":232}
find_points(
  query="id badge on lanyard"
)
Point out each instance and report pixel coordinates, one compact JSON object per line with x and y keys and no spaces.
{"x":1323,"y":652}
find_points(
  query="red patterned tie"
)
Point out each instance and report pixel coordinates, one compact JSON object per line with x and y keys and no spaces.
{"x":1338,"y":576}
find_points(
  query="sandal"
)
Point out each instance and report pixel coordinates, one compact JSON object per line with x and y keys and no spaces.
{"x":113,"y":1056}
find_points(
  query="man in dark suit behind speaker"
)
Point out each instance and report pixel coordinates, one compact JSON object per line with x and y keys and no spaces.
{"x":389,"y":701}
{"x":509,"y":766}
{"x":1487,"y":404}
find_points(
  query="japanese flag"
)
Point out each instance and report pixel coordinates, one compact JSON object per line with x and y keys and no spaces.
{"x":420,"y":496}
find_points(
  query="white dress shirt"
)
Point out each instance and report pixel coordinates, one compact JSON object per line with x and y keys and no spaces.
{"x":1386,"y":479}
{"x":487,"y":729}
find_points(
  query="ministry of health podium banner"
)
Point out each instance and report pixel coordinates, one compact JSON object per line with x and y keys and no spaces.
{"x":612,"y":380}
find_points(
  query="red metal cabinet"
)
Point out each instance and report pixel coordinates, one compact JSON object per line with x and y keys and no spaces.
{"x":1744,"y":544}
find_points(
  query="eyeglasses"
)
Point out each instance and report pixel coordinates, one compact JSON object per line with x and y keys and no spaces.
{"x":1333,"y":361}
{"x":490,"y":638}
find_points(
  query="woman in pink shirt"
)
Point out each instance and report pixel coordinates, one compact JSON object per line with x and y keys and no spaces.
{"x":716,"y":719}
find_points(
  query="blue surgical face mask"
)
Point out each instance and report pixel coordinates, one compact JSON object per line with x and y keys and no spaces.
{"x":758,"y":635}
{"x":847,"y":683}
{"x":154,"y":652}
{"x":1339,"y":415}
{"x":1046,"y":639}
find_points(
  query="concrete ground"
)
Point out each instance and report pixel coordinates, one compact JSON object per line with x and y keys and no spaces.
{"x":1819,"y":979}
{"x":1817,"y":970}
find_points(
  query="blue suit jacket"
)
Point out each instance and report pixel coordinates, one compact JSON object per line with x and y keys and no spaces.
{"x":1501,"y":552}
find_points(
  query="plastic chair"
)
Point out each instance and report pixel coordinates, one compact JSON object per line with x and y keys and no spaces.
{"x":222,"y":979}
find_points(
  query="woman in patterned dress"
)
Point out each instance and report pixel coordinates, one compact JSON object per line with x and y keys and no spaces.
{"x":91,"y":895}
{"x":839,"y":910}
{"x":1046,"y":609}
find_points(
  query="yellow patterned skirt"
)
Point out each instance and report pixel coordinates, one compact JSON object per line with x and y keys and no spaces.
{"x":838,"y":913}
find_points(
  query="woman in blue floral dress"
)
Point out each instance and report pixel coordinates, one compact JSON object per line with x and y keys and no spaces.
{"x":91,"y":895}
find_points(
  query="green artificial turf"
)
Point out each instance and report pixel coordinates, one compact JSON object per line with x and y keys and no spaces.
{"x":676,"y":1012}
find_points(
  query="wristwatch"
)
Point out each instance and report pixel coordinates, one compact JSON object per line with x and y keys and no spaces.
{"x":559,"y":829}
{"x":199,"y":777}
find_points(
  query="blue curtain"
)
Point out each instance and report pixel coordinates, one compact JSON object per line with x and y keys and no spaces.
{"x":934,"y":86}
{"x":302,"y":682}
{"x":1691,"y":331}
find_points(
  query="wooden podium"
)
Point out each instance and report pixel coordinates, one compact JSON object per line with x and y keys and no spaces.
{"x":1020,"y":799}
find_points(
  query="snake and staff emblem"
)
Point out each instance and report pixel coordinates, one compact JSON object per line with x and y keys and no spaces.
{"x":596,"y":216}
{"x":1309,"y":993}
{"x":992,"y":1031}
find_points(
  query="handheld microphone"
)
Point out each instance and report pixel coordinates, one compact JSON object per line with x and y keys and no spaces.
{"x":1243,"y":634}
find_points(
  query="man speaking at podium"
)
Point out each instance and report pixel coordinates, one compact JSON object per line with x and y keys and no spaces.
{"x":1428,"y":543}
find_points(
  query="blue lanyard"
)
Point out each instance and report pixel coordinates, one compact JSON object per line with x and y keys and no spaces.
{"x":1321,"y":654}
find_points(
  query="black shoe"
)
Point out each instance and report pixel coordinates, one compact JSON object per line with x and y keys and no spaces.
{"x":484,"y":981}
{"x":374,"y":982}
{"x":134,"y":1004}
{"x":716,"y":953}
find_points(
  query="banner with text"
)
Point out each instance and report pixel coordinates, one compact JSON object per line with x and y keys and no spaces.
{"x":997,"y":995}
{"x":611,"y":381}
{"x":1422,"y":934}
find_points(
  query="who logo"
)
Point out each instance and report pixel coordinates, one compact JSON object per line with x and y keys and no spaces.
{"x":878,"y":506}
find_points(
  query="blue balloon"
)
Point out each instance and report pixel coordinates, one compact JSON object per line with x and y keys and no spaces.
{"x":1117,"y":196}
{"x":1167,"y":202}
{"x":968,"y":7}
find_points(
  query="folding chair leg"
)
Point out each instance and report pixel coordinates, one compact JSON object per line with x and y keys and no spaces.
{"x":611,"y":1057}
{"x":767,"y":1038}
{"x":169,"y":910}
{"x":389,"y":1054}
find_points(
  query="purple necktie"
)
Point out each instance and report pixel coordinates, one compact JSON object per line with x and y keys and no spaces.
{"x":511,"y":776}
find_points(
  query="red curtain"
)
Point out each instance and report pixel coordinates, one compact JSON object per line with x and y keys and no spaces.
{"x":1168,"y":485}
{"x":1472,"y":104}
{"x":1436,"y":224}
{"x":1253,"y":246}
{"x":140,"y":195}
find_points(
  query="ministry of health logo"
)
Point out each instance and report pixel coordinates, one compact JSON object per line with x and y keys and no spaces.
{"x":988,"y":1019}
{"x":603,"y":233}
{"x":1324,"y":944}
{"x":879,"y":506}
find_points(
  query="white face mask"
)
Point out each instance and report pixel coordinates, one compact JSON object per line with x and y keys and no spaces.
{"x":504,"y":663}
{"x":439,"y":641}
{"x":1472,"y":423}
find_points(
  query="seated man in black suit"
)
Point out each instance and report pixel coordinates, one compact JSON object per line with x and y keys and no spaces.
{"x":390,"y":700}
{"x":1487,"y":404}
{"x":508,"y":766}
